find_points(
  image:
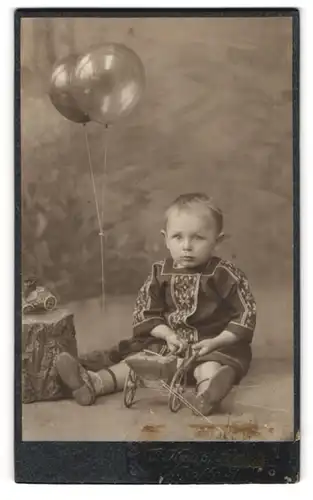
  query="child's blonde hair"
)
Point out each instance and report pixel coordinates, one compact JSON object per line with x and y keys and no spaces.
{"x":190,"y":200}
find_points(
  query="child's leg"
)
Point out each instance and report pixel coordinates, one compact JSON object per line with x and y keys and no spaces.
{"x":214,"y":381}
{"x":110,"y":379}
{"x":87,"y":385}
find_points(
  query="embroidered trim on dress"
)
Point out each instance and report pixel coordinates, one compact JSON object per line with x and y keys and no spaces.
{"x":239,"y":324}
{"x":246,"y":298}
{"x":143,"y":302}
{"x":184,"y":291}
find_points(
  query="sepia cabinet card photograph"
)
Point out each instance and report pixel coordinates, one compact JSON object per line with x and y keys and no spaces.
{"x":157,"y":168}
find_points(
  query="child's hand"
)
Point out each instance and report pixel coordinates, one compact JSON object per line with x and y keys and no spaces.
{"x":206,"y":346}
{"x":175,"y":344}
{"x":203,"y":347}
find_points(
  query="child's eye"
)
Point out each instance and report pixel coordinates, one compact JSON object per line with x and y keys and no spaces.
{"x":198,"y":237}
{"x":177,"y":236}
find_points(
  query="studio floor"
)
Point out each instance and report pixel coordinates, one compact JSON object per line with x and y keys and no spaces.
{"x":261,"y":408}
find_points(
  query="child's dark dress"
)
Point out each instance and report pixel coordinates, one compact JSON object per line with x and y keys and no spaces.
{"x":198,"y":304}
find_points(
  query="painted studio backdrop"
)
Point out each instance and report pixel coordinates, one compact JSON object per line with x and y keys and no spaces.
{"x":215,"y":116}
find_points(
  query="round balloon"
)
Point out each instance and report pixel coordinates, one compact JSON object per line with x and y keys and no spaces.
{"x":60,"y":92}
{"x":108,"y":82}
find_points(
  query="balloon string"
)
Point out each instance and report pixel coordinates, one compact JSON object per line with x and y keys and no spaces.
{"x":93,"y":179}
{"x":104,"y":171}
{"x":101,"y":234}
{"x":102,"y":271}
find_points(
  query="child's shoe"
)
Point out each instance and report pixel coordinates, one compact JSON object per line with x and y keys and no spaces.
{"x":76,"y":378}
{"x":218,"y":387}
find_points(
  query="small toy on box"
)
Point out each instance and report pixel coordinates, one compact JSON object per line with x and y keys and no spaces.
{"x":36,"y":299}
{"x":44,"y":336}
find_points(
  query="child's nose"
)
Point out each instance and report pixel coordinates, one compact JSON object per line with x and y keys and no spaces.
{"x":186,"y":244}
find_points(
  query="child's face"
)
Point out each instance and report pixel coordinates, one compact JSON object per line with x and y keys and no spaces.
{"x":190,"y":237}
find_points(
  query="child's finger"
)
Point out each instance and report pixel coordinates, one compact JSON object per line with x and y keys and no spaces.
{"x":196,"y":347}
{"x":175,"y":348}
{"x":179,"y":348}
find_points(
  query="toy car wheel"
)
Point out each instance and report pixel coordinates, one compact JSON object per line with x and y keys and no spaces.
{"x":177,"y":389}
{"x":130,"y":388}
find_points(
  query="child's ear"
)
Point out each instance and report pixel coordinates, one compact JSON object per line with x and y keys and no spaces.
{"x":164,"y":236}
{"x":221,"y":237}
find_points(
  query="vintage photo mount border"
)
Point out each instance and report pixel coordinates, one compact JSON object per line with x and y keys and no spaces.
{"x":158,"y":462}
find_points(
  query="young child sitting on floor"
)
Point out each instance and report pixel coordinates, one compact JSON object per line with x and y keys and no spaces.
{"x":191,"y":298}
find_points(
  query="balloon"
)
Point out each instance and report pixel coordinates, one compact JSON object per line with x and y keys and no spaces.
{"x":108,"y":82}
{"x":60,"y":92}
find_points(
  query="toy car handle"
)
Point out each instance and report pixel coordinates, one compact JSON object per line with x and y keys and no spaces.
{"x":188,"y":361}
